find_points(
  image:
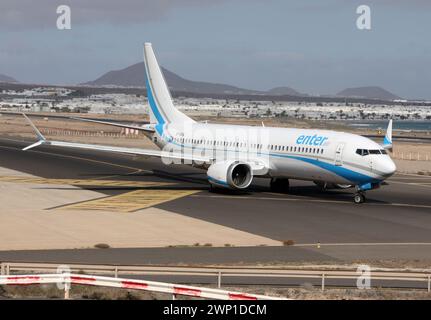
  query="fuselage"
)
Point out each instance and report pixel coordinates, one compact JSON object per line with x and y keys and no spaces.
{"x":305,"y":154}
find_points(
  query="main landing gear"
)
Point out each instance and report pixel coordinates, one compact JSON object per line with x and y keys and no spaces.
{"x":279,"y":185}
{"x":359,"y":197}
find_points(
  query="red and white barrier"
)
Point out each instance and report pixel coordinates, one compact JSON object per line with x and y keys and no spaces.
{"x":67,"y":279}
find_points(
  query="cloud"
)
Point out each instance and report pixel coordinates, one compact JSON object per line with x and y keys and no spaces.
{"x":17,"y":15}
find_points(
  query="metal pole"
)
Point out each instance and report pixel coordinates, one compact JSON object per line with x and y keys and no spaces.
{"x":116,"y":272}
{"x":7,"y":269}
{"x":219,"y":280}
{"x":429,"y":283}
{"x":67,"y":291}
{"x":323,"y":281}
{"x":2,"y":269}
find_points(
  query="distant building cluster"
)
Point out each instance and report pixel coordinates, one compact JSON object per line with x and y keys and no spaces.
{"x":47,"y":99}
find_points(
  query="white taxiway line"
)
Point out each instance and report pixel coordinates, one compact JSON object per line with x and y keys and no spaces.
{"x":313,"y":200}
{"x":364,"y":244}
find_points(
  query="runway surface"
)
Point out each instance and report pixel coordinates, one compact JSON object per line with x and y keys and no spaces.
{"x":394,"y":223}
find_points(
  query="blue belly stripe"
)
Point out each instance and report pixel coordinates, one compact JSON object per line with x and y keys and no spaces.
{"x":218,"y":181}
{"x":353,"y":176}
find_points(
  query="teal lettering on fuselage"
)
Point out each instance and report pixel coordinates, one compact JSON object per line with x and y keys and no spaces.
{"x":311,"y":140}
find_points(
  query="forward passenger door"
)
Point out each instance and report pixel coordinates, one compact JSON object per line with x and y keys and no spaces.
{"x":338,"y":160}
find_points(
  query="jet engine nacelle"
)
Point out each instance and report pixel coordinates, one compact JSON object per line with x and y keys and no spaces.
{"x":330,"y":185}
{"x":230,"y":174}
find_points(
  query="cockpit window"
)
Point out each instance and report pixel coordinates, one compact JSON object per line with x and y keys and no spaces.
{"x":374,"y":151}
{"x":365,"y":152}
{"x":362,"y":152}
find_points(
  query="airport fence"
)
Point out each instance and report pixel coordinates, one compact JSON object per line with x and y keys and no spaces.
{"x":389,"y":277}
{"x":65,"y":280}
{"x":418,"y":156}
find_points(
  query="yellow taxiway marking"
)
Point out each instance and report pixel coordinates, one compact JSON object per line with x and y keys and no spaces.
{"x":84,"y":182}
{"x":126,"y":202}
{"x":131,"y":201}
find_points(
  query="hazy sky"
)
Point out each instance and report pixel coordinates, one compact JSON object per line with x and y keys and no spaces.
{"x":312,"y":46}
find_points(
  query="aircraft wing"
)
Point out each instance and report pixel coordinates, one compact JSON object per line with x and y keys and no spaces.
{"x":147,"y":127}
{"x":175,"y":155}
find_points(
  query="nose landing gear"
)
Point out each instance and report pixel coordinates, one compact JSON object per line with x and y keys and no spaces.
{"x":359,"y":197}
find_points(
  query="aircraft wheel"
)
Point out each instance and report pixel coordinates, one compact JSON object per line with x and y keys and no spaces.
{"x":359,"y":198}
{"x":212,"y":188}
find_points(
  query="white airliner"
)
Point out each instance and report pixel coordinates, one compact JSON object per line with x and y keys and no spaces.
{"x":233,"y":154}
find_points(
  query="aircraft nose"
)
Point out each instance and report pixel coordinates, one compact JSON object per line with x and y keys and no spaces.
{"x":389,"y":168}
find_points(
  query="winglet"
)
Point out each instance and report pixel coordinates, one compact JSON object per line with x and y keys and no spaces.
{"x":387,"y":140}
{"x":39,"y":135}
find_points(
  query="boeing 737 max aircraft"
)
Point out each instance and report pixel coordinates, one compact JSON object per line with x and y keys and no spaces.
{"x":234,"y":154}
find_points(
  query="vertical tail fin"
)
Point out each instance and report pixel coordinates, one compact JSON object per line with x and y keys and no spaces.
{"x":387,"y":140}
{"x":162,"y":109}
